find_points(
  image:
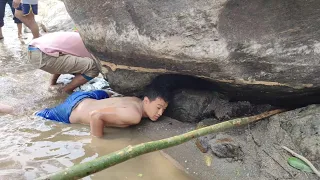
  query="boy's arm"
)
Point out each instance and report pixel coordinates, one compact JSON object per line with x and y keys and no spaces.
{"x":116,"y":117}
{"x":96,"y":122}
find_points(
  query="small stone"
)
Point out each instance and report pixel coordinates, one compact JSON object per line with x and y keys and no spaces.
{"x":202,"y":142}
{"x":223,"y":146}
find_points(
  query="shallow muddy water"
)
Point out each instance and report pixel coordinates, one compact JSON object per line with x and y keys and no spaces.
{"x":32,"y":147}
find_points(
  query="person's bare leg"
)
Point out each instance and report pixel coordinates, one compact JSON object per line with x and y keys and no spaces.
{"x":77,"y":81}
{"x":54,"y":79}
{"x":2,"y":13}
{"x":19,"y":25}
{"x":29,"y":21}
{"x":1,"y":36}
{"x":5,"y":109}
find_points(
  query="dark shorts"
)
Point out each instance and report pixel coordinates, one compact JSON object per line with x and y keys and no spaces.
{"x":28,"y":8}
{"x":3,"y":4}
{"x":62,"y":112}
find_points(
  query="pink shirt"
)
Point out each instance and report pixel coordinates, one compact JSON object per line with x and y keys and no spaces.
{"x":61,"y":42}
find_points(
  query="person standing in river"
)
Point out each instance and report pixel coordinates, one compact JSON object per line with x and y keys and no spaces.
{"x":25,"y":12}
{"x":63,"y":53}
{"x":2,"y":13}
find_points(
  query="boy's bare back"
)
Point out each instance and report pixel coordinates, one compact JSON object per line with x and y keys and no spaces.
{"x":120,"y":109}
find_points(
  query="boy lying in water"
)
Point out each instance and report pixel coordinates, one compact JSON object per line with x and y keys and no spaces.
{"x":98,"y":110}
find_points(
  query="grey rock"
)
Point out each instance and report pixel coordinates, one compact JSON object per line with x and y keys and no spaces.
{"x":189,"y":105}
{"x":203,"y":142}
{"x":223,"y":146}
{"x":252,"y":48}
{"x":260,"y":142}
{"x":53,"y":16}
{"x":304,"y":129}
{"x":207,"y":122}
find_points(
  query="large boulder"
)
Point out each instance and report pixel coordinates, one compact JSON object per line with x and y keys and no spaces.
{"x":261,"y":48}
{"x":53,"y":16}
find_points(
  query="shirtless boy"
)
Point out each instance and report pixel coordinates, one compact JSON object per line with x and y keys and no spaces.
{"x":96,"y":109}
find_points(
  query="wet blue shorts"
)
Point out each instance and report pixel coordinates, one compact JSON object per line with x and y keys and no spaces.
{"x":62,"y":112}
{"x":28,"y":8}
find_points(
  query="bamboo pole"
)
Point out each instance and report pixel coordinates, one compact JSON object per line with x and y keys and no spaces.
{"x":103,"y":162}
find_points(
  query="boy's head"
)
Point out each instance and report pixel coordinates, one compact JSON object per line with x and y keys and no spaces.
{"x":155,"y":101}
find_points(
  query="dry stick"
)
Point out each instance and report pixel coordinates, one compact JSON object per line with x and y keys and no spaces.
{"x":103,"y":162}
{"x":314,"y":169}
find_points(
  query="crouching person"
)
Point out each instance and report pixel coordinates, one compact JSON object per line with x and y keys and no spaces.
{"x":63,"y":53}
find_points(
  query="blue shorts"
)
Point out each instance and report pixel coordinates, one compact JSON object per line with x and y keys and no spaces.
{"x":28,"y":8}
{"x":62,"y":112}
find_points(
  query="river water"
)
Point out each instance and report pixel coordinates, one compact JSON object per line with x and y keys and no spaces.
{"x":32,"y":147}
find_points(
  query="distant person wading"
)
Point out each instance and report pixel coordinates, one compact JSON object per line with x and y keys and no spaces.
{"x":25,"y":12}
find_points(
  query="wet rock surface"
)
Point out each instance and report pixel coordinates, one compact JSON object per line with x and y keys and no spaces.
{"x":224,"y":146}
{"x":54,"y":17}
{"x":259,"y":144}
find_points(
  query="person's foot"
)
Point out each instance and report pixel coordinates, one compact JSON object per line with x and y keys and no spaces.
{"x":21,"y":36}
{"x":57,"y":88}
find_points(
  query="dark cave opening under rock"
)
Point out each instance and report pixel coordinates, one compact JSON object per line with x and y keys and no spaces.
{"x":195,"y":99}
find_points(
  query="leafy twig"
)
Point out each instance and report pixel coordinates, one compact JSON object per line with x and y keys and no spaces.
{"x":303,"y":159}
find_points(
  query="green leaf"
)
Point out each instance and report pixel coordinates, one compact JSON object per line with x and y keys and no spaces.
{"x":299,"y":164}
